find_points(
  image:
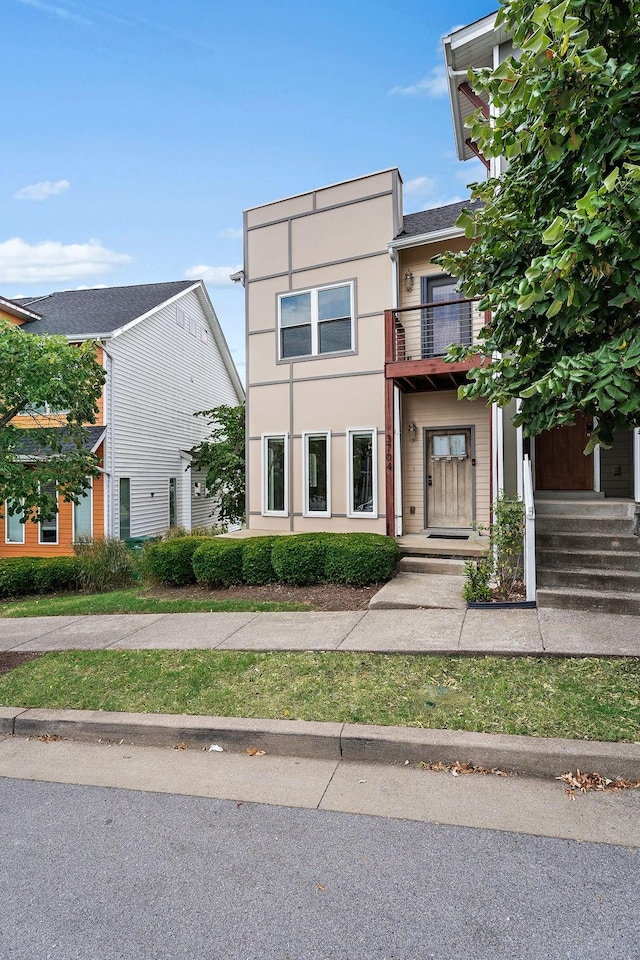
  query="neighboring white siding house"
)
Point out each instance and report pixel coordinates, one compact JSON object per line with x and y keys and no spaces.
{"x":162,"y":368}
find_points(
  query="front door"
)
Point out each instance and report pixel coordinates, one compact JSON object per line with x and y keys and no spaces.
{"x":560,"y":461}
{"x":449,"y":478}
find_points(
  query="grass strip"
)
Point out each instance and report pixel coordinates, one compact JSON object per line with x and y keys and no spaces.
{"x":132,"y":600}
{"x":591,"y":698}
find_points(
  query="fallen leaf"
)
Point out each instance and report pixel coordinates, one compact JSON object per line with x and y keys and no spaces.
{"x":255,"y":753}
{"x":180,"y":746}
{"x":457,"y":768}
{"x":580,"y":782}
{"x":320,"y":886}
{"x":49,"y":738}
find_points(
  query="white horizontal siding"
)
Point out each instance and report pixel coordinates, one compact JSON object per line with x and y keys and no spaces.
{"x":161,"y":376}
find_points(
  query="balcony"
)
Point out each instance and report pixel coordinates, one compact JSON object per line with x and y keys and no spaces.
{"x":417,"y":338}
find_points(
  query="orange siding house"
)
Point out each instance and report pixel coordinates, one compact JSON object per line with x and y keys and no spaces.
{"x":166,"y":358}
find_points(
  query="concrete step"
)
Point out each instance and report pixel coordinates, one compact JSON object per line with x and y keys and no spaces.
{"x":583,"y":579}
{"x":592,"y":540}
{"x":619,"y":509}
{"x":586,"y":559}
{"x":439,"y":565}
{"x":597,"y":600}
{"x":616,"y":526}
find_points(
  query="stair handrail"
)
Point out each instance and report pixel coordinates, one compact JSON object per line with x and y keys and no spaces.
{"x":529,"y":529}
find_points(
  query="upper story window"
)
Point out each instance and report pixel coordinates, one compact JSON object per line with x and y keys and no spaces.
{"x":316,"y":322}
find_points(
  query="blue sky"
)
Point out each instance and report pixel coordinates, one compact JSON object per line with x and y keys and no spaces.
{"x":136,"y":132}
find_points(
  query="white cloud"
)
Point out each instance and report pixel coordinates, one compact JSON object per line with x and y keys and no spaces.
{"x":419,"y":186}
{"x":92,"y":286}
{"x":230,"y":234}
{"x":52,"y":261}
{"x":215,"y":276}
{"x":62,"y":12}
{"x":42,"y":190}
{"x":433,"y":85}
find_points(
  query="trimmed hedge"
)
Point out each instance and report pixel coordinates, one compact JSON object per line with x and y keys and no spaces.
{"x":300,"y":559}
{"x":24,"y":575}
{"x":218,"y":563}
{"x":171,"y":561}
{"x":257,"y":566}
{"x":359,"y":559}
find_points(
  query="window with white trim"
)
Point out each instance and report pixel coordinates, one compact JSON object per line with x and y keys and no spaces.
{"x":315,"y":322}
{"x":275,"y":470}
{"x":362,"y":495}
{"x":14,"y":525}
{"x":48,"y":529}
{"x":316,"y":494}
{"x":83,"y":515}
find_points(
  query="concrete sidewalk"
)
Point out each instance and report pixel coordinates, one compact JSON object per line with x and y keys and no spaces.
{"x":540,"y":632}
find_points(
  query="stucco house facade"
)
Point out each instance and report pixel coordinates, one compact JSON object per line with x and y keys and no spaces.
{"x":165,"y":358}
{"x":353,"y":418}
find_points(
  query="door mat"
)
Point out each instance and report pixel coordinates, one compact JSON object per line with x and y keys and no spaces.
{"x":447,"y":536}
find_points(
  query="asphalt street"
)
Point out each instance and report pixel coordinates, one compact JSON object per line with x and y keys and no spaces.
{"x":95,"y":873}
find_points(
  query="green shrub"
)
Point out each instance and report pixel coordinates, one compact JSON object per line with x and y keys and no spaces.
{"x":360,"y":559}
{"x":24,"y":575}
{"x":105,"y":563}
{"x":300,"y":559}
{"x":257,"y":566}
{"x":477,"y":585}
{"x":218,"y":563}
{"x":172,"y":533}
{"x":171,"y":561}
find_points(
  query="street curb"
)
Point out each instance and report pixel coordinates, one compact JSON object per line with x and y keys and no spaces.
{"x":530,"y":756}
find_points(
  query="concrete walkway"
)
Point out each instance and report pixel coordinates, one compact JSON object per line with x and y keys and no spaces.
{"x":438,"y":631}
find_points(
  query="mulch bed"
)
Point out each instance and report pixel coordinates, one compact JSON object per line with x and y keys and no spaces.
{"x":9,"y":661}
{"x":321,"y":596}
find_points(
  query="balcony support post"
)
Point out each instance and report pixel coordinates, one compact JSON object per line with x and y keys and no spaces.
{"x":389,"y":455}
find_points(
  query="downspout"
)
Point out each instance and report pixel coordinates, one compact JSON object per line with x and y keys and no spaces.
{"x":109,"y":496}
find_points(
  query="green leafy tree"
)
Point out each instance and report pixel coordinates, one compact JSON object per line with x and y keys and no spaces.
{"x":557,"y":251}
{"x":38,"y":373}
{"x":222,"y":455}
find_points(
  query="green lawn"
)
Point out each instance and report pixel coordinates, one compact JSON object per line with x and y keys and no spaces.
{"x":132,"y":600}
{"x":593,"y":699}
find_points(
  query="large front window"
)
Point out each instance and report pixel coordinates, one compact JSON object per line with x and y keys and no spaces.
{"x":316,"y":322}
{"x":363,"y":486}
{"x":317,"y":474}
{"x":274,"y":472}
{"x":14,"y":530}
{"x":49,"y":528}
{"x":82,"y":515}
{"x":124,"y":503}
{"x":447,"y":319}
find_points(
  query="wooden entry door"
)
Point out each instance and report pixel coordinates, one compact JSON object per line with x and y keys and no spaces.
{"x":449,"y":478}
{"x":560,"y":462}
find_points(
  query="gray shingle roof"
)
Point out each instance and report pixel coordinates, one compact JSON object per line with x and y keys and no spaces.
{"x":439,"y":218}
{"x":29,"y":446}
{"x":85,"y":312}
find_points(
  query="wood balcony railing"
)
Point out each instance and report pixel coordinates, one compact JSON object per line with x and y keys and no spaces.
{"x":425,"y":332}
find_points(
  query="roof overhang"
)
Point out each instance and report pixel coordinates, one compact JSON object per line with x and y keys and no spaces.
{"x":469,"y":47}
{"x":435,"y":236}
{"x":18,"y":311}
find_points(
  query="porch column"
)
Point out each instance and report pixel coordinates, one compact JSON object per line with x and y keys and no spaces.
{"x":389,"y":456}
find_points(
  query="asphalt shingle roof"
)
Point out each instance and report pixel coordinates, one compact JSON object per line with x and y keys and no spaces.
{"x":89,"y":312}
{"x":30,"y":447}
{"x":439,"y":218}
